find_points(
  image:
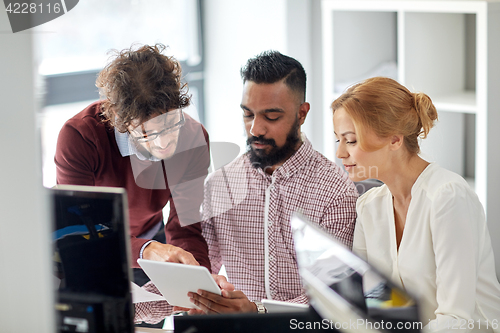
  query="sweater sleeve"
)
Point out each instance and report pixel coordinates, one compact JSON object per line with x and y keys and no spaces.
{"x":188,"y":238}
{"x":76,"y":155}
{"x":184,"y":228}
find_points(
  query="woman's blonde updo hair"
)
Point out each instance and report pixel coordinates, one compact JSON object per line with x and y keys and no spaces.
{"x":387,"y":108}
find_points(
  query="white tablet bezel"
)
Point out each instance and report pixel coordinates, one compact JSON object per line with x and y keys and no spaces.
{"x":273,"y":306}
{"x":175,"y":280}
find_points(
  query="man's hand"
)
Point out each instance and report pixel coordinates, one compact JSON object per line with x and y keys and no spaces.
{"x":223,"y":285}
{"x":165,"y":252}
{"x":222,"y":282}
{"x":229,"y":302}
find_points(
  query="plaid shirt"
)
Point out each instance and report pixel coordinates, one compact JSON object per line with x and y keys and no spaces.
{"x":151,"y":312}
{"x":246,"y":219}
{"x":246,"y":215}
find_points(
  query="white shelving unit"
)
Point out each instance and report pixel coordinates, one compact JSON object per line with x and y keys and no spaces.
{"x":449,"y":50}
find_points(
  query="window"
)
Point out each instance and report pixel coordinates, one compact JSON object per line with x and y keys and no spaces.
{"x":73,"y":48}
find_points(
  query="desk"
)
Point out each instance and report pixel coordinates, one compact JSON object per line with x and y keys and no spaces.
{"x":151,"y":330}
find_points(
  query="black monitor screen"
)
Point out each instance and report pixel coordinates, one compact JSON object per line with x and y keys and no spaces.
{"x":90,"y":241}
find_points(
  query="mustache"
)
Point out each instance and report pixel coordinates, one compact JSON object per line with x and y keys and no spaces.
{"x":262,"y":140}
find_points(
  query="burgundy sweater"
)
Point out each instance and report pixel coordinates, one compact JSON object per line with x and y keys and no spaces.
{"x":87,"y":154}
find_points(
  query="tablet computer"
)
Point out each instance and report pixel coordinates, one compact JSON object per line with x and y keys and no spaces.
{"x":174,"y":280}
{"x":273,"y":306}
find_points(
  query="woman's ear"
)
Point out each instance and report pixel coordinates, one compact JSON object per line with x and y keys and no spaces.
{"x":396,"y":141}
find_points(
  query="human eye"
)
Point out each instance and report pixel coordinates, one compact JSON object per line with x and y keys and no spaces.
{"x":353,"y":142}
{"x":137,"y":136}
{"x":149,"y":137}
{"x":272,"y":119}
{"x":247,"y":114}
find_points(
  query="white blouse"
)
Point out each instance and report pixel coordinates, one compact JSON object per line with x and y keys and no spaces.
{"x":445,"y":256}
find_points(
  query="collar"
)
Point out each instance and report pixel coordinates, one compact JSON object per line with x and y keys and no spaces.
{"x":128,"y":148}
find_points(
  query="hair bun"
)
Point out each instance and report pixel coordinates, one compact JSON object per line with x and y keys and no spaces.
{"x":426,"y":112}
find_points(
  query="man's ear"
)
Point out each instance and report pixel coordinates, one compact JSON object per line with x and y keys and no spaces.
{"x":303,"y":111}
{"x":396,"y":141}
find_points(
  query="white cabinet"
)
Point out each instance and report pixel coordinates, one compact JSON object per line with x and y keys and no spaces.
{"x":449,"y":50}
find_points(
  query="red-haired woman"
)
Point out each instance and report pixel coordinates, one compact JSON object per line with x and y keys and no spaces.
{"x":425,"y":228}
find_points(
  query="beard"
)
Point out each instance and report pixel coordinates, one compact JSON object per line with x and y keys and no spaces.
{"x":260,"y":159}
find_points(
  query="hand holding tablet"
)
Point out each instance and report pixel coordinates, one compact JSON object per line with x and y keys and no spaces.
{"x":174,"y":280}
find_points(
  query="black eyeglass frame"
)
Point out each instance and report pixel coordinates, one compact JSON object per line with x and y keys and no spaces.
{"x":154,"y":136}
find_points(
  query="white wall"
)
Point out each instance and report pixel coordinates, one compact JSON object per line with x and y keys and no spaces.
{"x":303,"y":42}
{"x":235,"y":31}
{"x":493,"y":186}
{"x":26,"y":299}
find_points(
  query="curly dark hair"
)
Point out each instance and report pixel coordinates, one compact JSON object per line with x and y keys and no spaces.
{"x":272,"y":66}
{"x":138,"y":84}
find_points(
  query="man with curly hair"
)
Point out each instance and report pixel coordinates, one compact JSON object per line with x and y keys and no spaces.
{"x":138,"y":137}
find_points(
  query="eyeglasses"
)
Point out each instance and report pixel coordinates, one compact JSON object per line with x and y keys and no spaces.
{"x":143,"y":137}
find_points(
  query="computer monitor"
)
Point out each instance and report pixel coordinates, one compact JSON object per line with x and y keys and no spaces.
{"x":91,"y":259}
{"x":347,"y":290}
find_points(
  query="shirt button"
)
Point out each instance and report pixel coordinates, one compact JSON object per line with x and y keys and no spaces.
{"x":271,"y":258}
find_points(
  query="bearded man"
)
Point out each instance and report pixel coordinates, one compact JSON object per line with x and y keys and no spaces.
{"x":248,"y":203}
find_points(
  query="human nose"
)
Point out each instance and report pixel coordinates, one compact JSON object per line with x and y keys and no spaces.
{"x":258,"y":127}
{"x":342,"y":151}
{"x":161,"y":141}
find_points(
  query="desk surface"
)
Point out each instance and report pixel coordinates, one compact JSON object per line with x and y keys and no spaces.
{"x":151,"y":330}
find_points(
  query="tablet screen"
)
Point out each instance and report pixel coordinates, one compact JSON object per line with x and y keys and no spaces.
{"x":175,"y":280}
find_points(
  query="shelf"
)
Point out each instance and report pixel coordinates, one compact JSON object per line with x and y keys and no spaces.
{"x":464,"y":102}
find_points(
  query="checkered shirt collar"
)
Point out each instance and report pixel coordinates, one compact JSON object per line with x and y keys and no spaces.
{"x":300,"y":159}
